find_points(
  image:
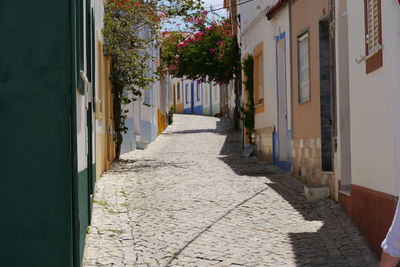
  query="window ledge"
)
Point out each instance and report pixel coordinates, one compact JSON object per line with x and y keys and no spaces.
{"x":304,"y":101}
{"x":345,"y":192}
{"x":379,"y":49}
{"x":374,"y":61}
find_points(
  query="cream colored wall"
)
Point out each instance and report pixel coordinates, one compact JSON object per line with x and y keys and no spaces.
{"x":374,"y":103}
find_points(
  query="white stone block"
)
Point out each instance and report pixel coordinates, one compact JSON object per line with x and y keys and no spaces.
{"x":315,"y":193}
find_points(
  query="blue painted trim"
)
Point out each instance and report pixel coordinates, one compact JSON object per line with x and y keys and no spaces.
{"x":286,"y":165}
{"x":281,"y":36}
{"x":198,"y":109}
{"x":187,"y":110}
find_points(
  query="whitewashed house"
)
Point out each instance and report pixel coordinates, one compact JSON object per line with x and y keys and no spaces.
{"x":264,"y":34}
{"x":368,"y":93}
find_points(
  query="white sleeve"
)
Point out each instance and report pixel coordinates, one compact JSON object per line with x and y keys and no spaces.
{"x":391,"y":244}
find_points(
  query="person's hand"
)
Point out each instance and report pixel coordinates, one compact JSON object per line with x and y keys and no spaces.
{"x":388,"y":260}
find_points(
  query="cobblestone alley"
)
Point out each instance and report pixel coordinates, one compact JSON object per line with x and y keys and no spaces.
{"x":191,"y":200}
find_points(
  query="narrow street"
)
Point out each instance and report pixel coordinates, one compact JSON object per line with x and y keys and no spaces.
{"x":190,"y":199}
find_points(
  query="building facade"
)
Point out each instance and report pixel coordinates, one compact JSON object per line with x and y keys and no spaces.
{"x":47,"y":83}
{"x":146,"y":117}
{"x":105,"y":145}
{"x":368,"y":42}
{"x":257,"y":39}
{"x":312,"y":91}
{"x":194,"y":97}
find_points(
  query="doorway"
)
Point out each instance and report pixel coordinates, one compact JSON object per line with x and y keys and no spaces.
{"x":282,"y":98}
{"x":326,"y":95}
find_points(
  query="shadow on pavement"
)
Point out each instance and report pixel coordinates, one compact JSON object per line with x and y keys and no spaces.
{"x":337,"y":242}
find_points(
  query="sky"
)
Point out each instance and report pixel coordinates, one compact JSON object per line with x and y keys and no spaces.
{"x":208,"y":5}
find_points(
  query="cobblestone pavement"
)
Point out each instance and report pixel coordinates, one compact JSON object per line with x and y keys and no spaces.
{"x":191,"y":200}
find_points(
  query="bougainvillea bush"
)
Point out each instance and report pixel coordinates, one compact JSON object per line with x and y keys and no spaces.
{"x":210,"y":52}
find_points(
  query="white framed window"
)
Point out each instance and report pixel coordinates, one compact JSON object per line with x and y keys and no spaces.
{"x":303,"y":44}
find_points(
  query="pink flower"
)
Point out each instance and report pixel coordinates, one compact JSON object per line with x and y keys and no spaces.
{"x":212,"y":50}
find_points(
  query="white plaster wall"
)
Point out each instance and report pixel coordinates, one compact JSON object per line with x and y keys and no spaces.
{"x":81,"y":122}
{"x":251,"y":36}
{"x":186,"y":105}
{"x":250,"y":11}
{"x":280,"y":23}
{"x":216,"y":91}
{"x":206,"y":95}
{"x":374,"y":102}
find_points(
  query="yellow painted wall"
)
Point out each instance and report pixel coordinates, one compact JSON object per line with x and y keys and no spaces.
{"x":105,"y":145}
{"x":162,"y":122}
{"x":179,"y":108}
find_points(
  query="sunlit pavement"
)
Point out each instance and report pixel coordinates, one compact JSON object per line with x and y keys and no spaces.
{"x":191,"y":200}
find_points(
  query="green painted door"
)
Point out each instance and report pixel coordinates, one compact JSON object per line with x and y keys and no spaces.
{"x":36,"y":133}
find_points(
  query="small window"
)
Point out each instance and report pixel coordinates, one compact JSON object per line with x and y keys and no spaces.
{"x":304,"y":67}
{"x":373,"y":35}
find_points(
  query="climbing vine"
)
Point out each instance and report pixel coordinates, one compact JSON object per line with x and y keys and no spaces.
{"x":249,"y":109}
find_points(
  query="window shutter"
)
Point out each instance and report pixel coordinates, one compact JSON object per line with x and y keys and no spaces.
{"x":372,"y":26}
{"x":373,"y":35}
{"x":304,"y":68}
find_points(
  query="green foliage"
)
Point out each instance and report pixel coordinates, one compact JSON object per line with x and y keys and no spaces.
{"x":211,"y":53}
{"x":249,"y":110}
{"x":130,"y":29}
